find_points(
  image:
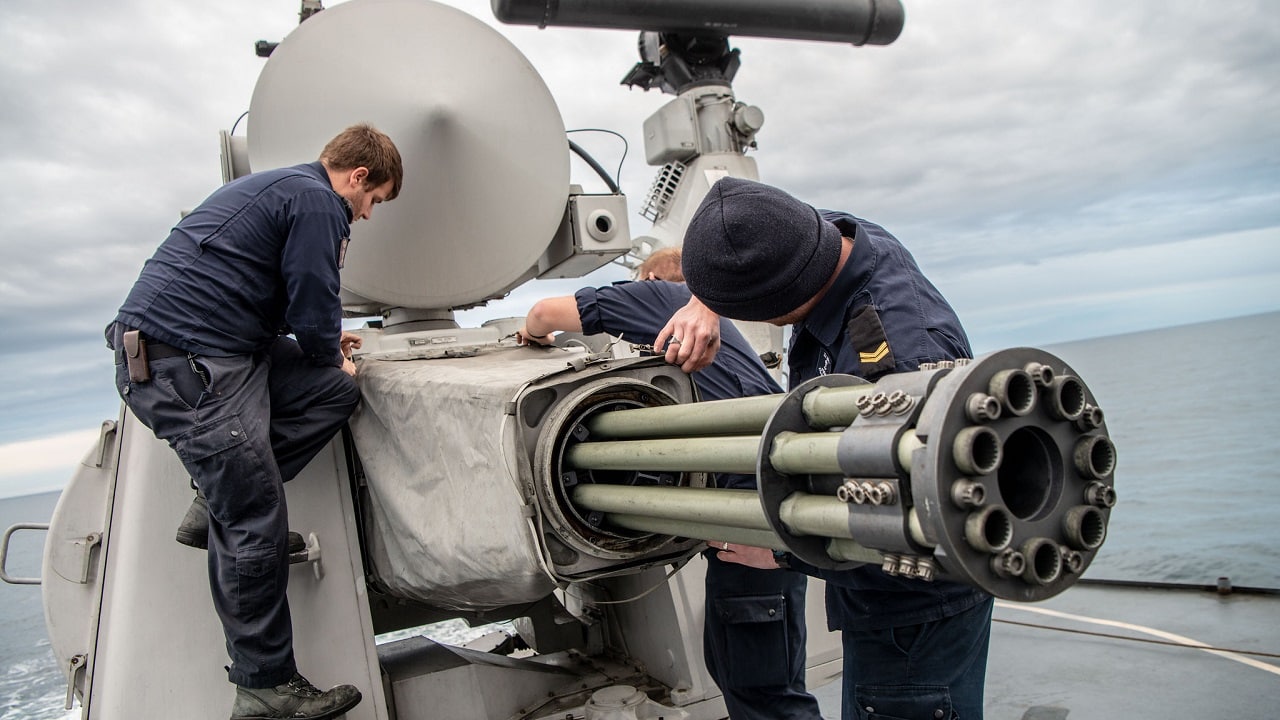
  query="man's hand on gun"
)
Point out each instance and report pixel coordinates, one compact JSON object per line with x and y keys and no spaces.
{"x":749,"y":555}
{"x":694,"y":334}
{"x":350,"y":341}
{"x":524,"y":337}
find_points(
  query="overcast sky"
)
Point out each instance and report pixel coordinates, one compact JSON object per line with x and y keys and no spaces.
{"x":1062,"y":169}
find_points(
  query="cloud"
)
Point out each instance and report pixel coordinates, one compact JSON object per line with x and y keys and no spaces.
{"x":32,"y":466}
{"x":1110,"y":292}
{"x":988,"y":106}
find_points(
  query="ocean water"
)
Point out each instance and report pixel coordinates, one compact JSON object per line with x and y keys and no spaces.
{"x":1194,"y":412}
{"x":31,"y":686}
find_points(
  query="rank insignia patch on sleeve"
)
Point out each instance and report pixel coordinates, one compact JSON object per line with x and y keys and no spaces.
{"x":876,"y":356}
{"x":866,"y":336}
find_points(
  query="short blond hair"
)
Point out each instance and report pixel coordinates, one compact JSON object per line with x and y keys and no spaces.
{"x":365,"y":146}
{"x":664,"y":264}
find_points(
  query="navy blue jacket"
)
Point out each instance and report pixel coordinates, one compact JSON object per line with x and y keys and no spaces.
{"x":257,"y":259}
{"x":637,"y":311}
{"x":880,"y":316}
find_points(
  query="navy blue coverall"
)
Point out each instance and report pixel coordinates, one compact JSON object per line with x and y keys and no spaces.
{"x":912,"y":649}
{"x":754,"y":639}
{"x":245,"y":407}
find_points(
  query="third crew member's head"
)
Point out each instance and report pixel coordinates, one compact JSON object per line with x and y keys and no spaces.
{"x":753,"y":252}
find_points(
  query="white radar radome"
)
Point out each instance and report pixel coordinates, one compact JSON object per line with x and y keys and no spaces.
{"x":485,"y":154}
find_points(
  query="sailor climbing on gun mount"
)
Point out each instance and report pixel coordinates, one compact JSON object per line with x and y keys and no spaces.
{"x":204,"y":360}
{"x":858,"y":304}
{"x":754,"y":634}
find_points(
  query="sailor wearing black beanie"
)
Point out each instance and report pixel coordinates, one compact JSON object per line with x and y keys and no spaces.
{"x":858,"y":304}
{"x":757,"y":252}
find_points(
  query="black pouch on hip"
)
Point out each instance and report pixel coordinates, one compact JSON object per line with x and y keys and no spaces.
{"x":135,"y":354}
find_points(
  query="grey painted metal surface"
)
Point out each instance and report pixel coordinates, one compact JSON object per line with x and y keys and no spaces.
{"x":156,"y":640}
{"x":899,"y":475}
{"x":877,"y":22}
{"x":485,"y":155}
{"x":721,"y":454}
{"x":1139,"y":658}
{"x":718,"y":417}
{"x":1110,"y":652}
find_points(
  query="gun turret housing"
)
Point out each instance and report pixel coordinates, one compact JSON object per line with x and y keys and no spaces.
{"x":996,"y":472}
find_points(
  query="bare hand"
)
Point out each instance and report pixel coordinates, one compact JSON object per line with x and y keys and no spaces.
{"x":694,"y":331}
{"x":749,"y":555}
{"x":523,"y":337}
{"x":350,"y":341}
{"x":346,"y":344}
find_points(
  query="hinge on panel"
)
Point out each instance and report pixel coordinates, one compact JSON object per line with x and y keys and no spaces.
{"x":73,"y":667}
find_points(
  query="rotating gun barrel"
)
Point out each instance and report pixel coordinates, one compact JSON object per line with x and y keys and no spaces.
{"x":996,"y":472}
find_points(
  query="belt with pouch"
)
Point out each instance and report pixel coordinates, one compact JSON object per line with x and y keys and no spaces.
{"x":139,"y":351}
{"x":157,"y":350}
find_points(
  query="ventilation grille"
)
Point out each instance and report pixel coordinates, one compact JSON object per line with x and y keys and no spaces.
{"x":663,"y":191}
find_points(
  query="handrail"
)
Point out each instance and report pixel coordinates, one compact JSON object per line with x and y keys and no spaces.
{"x":4,"y":553}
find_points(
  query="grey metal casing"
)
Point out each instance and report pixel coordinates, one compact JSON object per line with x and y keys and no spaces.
{"x":670,"y":134}
{"x":593,"y":233}
{"x":155,"y":641}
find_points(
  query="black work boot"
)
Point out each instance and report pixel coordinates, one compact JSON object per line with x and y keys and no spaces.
{"x":296,"y":699}
{"x":194,"y":530}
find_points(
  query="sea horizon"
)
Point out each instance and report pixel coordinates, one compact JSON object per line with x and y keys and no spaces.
{"x":89,"y":428}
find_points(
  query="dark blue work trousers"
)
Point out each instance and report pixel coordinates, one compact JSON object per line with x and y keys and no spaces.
{"x":929,"y":670}
{"x":243,"y":425}
{"x":754,"y":641}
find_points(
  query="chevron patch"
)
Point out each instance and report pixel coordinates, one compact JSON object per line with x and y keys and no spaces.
{"x":876,"y":355}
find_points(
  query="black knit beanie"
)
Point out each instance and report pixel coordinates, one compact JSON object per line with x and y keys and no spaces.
{"x":753,"y":252}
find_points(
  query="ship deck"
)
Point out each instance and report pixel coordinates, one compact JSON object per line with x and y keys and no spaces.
{"x":1101,"y":650}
